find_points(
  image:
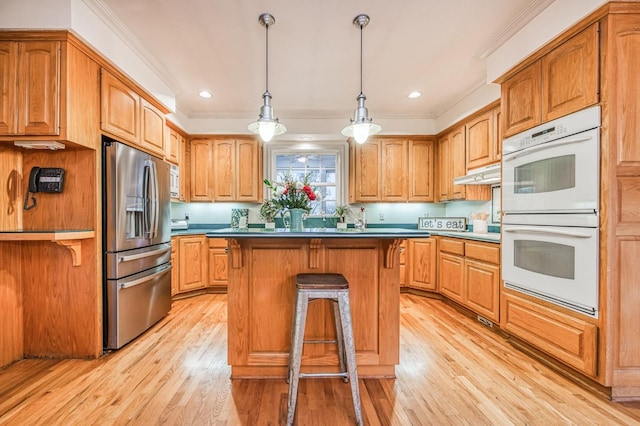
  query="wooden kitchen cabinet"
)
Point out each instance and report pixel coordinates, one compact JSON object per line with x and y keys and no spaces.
{"x":218,"y":265}
{"x":482,"y":278}
{"x":562,"y":81}
{"x":30,"y":83}
{"x":193,"y":261}
{"x":152,"y":131}
{"x":593,"y":61}
{"x":497,"y":132}
{"x":175,"y":153}
{"x":226,"y":170}
{"x":569,"y":339}
{"x":421,"y":164}
{"x":173,"y":145}
{"x":480,"y":143}
{"x":403,"y":262}
{"x":201,"y":171}
{"x":451,"y":163}
{"x":445,"y":176}
{"x":365,"y":171}
{"x":422,"y":264}
{"x":520,"y":100}
{"x":451,"y":268}
{"x":471,"y":143}
{"x":458,"y":163}
{"x":125,"y":114}
{"x":393,"y":176}
{"x":237,"y":169}
{"x":469,"y":273}
{"x":50,"y":88}
{"x":379,"y":170}
{"x":175,"y":266}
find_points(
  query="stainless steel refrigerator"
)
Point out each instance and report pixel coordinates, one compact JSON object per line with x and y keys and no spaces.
{"x":136,"y":242}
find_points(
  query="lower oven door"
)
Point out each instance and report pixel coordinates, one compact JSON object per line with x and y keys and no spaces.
{"x":555,"y":263}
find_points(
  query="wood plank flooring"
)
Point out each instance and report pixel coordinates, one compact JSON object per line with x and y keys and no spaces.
{"x":452,"y":371}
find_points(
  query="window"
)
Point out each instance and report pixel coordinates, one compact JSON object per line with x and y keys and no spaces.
{"x":325,"y":163}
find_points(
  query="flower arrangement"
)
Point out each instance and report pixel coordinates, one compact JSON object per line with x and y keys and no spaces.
{"x":293,"y":194}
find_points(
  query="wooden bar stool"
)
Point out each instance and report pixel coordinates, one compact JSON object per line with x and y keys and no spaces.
{"x":335,"y":287}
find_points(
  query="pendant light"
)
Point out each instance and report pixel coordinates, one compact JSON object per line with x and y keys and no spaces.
{"x":267,"y":126}
{"x":361,"y":126}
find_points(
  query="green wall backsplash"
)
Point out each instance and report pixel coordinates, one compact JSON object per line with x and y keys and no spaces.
{"x":376,"y":213}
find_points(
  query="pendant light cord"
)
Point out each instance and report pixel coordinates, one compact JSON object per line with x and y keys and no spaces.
{"x":360,"y":58}
{"x":267,"y":57}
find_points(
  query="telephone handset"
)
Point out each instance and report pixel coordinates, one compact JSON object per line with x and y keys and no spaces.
{"x":43,"y":180}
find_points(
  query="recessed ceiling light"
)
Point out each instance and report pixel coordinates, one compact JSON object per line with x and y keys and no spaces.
{"x":205,"y":94}
{"x":414,"y":95}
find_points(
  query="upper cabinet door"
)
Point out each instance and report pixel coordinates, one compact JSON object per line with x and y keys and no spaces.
{"x":421,"y":164}
{"x":30,"y":87}
{"x":394,"y":170}
{"x":120,"y":109}
{"x":458,"y":163}
{"x":367,"y":171}
{"x":224,"y":163}
{"x":201,"y":170}
{"x":480,"y":141}
{"x":8,"y":84}
{"x":248,"y":179}
{"x":521,"y":100}
{"x":570,"y":75}
{"x":152,"y":134}
{"x":39,"y":88}
{"x":445,"y":179}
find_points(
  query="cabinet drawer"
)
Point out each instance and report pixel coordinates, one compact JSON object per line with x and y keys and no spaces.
{"x":484,"y":252}
{"x":217,"y":243}
{"x":452,"y":246}
{"x":566,"y":338}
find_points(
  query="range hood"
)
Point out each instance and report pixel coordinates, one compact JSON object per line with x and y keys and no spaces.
{"x":483,"y":176}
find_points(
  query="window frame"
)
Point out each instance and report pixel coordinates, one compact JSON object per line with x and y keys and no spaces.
{"x":337,"y":148}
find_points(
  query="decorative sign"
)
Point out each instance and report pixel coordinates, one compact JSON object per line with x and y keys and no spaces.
{"x":443,"y":223}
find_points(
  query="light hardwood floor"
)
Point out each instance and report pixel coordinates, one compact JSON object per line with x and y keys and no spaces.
{"x":452,"y":371}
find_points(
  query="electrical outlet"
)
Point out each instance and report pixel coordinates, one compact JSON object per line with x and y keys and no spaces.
{"x":381,"y":216}
{"x":186,"y":216}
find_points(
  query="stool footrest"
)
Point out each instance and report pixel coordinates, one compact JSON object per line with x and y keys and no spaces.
{"x":320,"y":341}
{"x":321,"y":375}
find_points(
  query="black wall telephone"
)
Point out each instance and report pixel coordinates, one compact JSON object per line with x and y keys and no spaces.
{"x":43,"y":180}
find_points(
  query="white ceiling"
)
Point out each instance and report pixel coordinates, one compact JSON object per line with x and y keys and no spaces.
{"x":433,"y":46}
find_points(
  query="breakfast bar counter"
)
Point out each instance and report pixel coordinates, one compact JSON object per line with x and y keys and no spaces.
{"x":261,"y":296}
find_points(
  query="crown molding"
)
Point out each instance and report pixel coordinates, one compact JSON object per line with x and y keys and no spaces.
{"x":518,"y":22}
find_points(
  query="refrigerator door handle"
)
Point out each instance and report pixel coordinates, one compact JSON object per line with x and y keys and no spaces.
{"x":143,"y":255}
{"x":143,"y":280}
{"x":145,"y":204}
{"x":154,"y":202}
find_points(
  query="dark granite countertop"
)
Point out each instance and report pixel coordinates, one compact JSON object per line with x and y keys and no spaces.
{"x":318,"y":233}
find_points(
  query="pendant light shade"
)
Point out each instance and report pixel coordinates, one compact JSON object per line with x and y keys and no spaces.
{"x":361,"y":126}
{"x":267,"y":126}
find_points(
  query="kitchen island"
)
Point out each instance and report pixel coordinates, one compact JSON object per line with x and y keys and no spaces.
{"x":261,"y":296}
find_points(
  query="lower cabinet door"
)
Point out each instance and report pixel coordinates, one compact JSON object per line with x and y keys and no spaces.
{"x":562,"y":336}
{"x":483,"y":288}
{"x":451,"y":276}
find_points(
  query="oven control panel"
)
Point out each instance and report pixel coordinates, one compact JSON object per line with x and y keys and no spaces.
{"x":578,"y":122}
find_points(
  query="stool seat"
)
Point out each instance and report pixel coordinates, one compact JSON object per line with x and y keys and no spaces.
{"x":335,"y":288}
{"x":321,"y":281}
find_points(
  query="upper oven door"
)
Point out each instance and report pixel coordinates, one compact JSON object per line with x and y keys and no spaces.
{"x":554,"y":177}
{"x":555,"y":263}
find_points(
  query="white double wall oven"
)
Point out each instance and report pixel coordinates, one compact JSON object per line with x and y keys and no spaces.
{"x":550,"y":201}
